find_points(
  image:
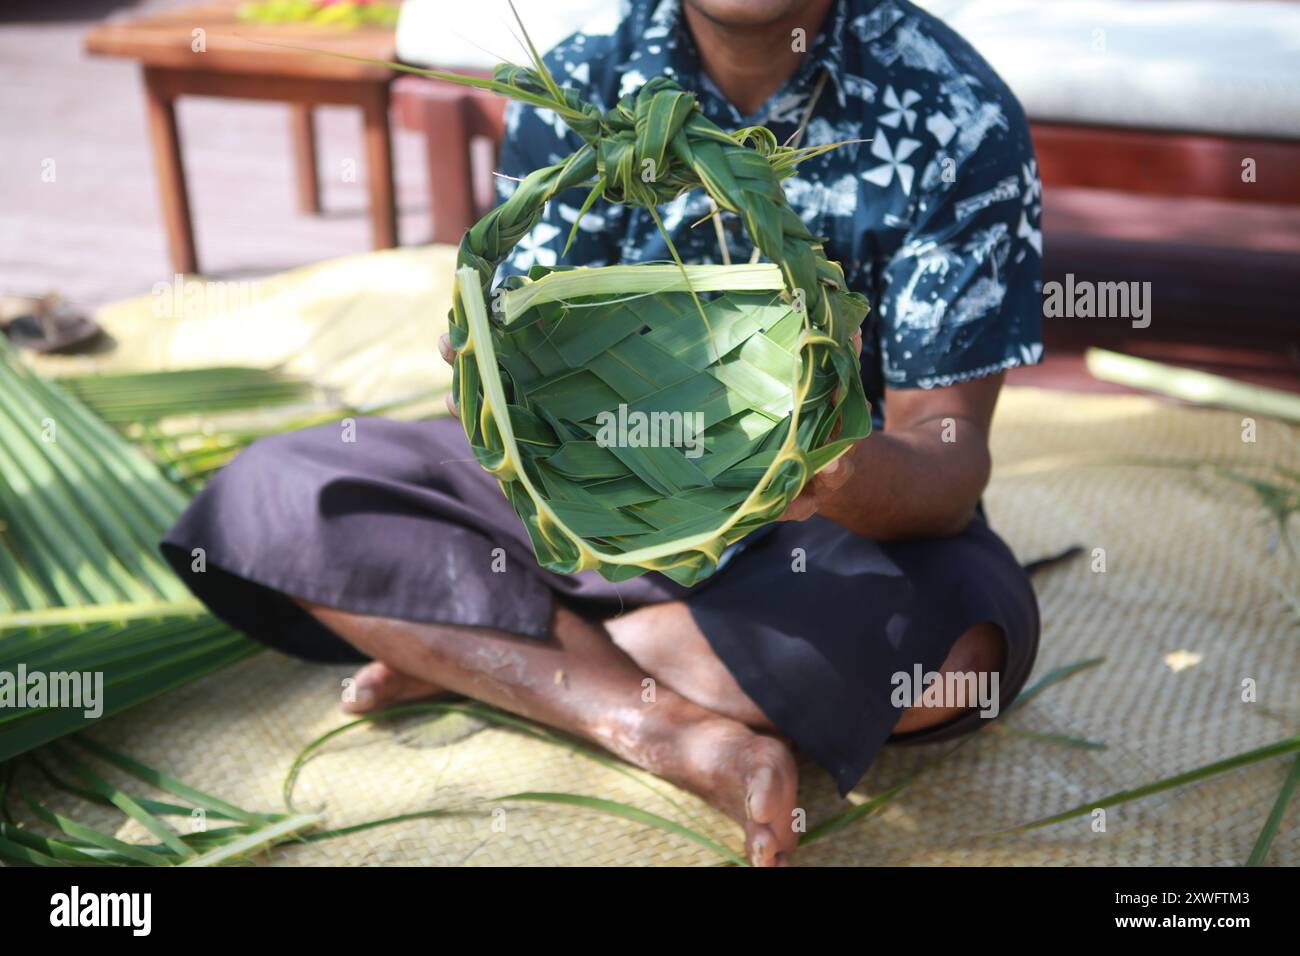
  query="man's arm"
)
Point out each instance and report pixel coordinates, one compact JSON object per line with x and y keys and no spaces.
{"x":957,"y":304}
{"x":920,"y":477}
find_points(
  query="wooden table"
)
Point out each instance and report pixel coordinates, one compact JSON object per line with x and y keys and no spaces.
{"x":205,"y":50}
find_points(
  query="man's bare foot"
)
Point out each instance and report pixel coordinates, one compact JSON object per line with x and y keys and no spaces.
{"x":747,"y":775}
{"x":377,"y":686}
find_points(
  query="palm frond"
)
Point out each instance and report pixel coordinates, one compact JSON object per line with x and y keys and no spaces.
{"x":1189,"y":385}
{"x":1280,"y":748}
{"x":626,"y":811}
{"x":83,"y":589}
{"x":129,"y":397}
{"x":1260,"y":851}
{"x":81,"y":510}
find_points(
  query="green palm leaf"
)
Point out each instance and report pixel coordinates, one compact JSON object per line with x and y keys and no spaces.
{"x":121,"y":398}
{"x":628,"y":812}
{"x":82,"y":845}
{"x":126,"y":803}
{"x":169,"y":784}
{"x":246,"y":844}
{"x":138,"y":663}
{"x":1279,"y":748}
{"x":82,"y":585}
{"x":1260,"y":850}
{"x":131,"y":853}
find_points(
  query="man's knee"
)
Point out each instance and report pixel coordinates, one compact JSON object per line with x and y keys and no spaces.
{"x":664,"y":640}
{"x":981,"y":650}
{"x":657,"y":633}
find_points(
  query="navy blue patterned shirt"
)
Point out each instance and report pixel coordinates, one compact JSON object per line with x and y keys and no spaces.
{"x":935,"y":219}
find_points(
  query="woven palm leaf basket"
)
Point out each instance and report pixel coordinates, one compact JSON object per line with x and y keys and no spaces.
{"x":644,"y":417}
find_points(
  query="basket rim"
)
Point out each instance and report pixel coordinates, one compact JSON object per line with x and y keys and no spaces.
{"x":637,"y":279}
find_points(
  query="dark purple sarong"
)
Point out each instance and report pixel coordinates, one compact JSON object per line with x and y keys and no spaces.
{"x":403,"y":523}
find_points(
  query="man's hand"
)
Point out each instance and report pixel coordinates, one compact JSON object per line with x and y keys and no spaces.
{"x":831,"y":478}
{"x":922,"y":475}
{"x":822,"y":487}
{"x":449,"y":356}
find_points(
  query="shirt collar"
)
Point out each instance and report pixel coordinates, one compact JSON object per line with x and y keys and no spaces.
{"x":827,"y":51}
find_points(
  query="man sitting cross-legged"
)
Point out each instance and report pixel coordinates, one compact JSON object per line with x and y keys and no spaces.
{"x":398,"y":549}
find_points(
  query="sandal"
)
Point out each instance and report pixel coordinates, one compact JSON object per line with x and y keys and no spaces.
{"x":46,"y":324}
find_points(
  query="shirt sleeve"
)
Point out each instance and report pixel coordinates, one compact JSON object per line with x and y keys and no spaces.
{"x":962,"y":297}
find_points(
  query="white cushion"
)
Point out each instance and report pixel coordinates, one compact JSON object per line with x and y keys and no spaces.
{"x":1213,"y":66}
{"x":479,"y":34}
{"x":1199,"y":65}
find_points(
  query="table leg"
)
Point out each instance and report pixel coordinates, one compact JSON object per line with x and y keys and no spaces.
{"x":171,"y":173}
{"x":379,"y":169}
{"x":443,"y":118}
{"x":304,"y":157}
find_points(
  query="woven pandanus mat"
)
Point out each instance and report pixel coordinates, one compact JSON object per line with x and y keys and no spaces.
{"x":365,"y":327}
{"x":1190,"y":604}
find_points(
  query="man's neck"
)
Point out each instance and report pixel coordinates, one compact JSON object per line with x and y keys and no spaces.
{"x":749,"y":64}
